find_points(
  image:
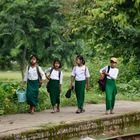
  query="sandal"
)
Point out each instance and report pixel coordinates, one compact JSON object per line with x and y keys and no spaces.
{"x":53,"y":111}
{"x":82,"y":110}
{"x":57,"y":110}
{"x":111,"y":112}
{"x":78,"y":111}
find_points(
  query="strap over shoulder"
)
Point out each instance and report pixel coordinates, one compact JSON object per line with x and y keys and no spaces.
{"x":108,"y":69}
{"x":38,"y":72}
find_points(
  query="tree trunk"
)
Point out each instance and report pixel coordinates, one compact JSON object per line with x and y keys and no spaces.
{"x":23,"y":62}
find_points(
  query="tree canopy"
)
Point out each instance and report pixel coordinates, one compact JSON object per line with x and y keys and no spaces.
{"x":61,"y":28}
{"x":108,"y":28}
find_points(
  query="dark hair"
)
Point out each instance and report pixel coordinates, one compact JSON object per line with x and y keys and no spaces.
{"x":58,"y":61}
{"x":34,"y":55}
{"x":81,"y":58}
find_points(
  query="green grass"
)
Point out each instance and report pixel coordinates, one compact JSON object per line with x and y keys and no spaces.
{"x":10,"y":75}
{"x":91,"y":96}
{"x":10,"y":105}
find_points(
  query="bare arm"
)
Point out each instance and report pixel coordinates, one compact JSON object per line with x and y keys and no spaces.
{"x":72,"y":81}
{"x":87,"y":83}
{"x":47,"y":76}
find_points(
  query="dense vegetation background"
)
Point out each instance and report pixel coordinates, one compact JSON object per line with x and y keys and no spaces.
{"x":97,"y":29}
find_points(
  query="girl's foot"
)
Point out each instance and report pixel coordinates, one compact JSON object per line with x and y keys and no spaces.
{"x":82,"y":110}
{"x":53,"y":111}
{"x":111,"y":111}
{"x":78,"y":111}
{"x":57,"y":110}
{"x":32,"y":110}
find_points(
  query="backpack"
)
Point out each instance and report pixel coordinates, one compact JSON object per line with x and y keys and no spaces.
{"x":39,"y":75}
{"x":48,"y":84}
{"x":102,"y":81}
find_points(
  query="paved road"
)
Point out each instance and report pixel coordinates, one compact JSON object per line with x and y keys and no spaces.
{"x":10,"y":124}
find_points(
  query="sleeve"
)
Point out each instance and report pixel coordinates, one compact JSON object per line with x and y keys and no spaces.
{"x":42,"y":73}
{"x":114,"y":74}
{"x":61,"y":78}
{"x":104,"y":69}
{"x":26,"y":75}
{"x":73,"y":71}
{"x":87,"y":73}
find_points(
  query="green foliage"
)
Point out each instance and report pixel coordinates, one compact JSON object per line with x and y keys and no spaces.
{"x":108,"y":27}
{"x":28,"y":27}
{"x":127,"y":83}
{"x":97,"y":29}
{"x":9,"y":102}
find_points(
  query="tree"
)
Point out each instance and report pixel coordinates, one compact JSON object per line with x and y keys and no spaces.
{"x":108,"y":25}
{"x":32,"y":26}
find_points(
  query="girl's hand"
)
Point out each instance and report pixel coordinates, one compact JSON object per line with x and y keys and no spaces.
{"x":87,"y":87}
{"x":41,"y":81}
{"x":107,"y":74}
{"x":47,"y":76}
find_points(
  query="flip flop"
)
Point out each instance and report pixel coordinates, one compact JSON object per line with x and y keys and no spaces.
{"x":111,"y":112}
{"x":58,"y":110}
{"x":82,"y":110}
{"x":78,"y":112}
{"x":53,"y":112}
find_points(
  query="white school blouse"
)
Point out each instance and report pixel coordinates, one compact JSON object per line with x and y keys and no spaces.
{"x":80,"y":73}
{"x":113,"y":72}
{"x":31,"y":74}
{"x":55,"y":75}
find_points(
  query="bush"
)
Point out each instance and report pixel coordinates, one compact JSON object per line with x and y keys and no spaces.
{"x":127,"y":81}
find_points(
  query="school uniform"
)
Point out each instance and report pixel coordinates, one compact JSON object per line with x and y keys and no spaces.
{"x":56,"y":78}
{"x":32,"y":79}
{"x":80,"y":74}
{"x":110,"y":88}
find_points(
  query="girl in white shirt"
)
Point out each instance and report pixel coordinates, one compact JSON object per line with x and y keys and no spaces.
{"x":34,"y":77}
{"x":80,"y":74}
{"x":110,"y":87}
{"x":54,"y":85}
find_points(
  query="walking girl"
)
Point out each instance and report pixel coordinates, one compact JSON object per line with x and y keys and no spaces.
{"x":111,"y":73}
{"x":34,"y":77}
{"x":80,"y":75}
{"x":54,"y":85}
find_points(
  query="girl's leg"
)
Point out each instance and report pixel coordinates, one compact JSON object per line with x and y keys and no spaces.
{"x":113,"y":101}
{"x":58,"y":108}
{"x":80,"y":95}
{"x":58,"y":101}
{"x":53,"y":109}
{"x":78,"y":111}
{"x":32,"y":109}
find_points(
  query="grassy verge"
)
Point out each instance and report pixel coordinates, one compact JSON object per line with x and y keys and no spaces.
{"x":9,"y":104}
{"x":10,"y":75}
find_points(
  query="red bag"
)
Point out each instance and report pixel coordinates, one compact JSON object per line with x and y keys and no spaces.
{"x":102,"y":80}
